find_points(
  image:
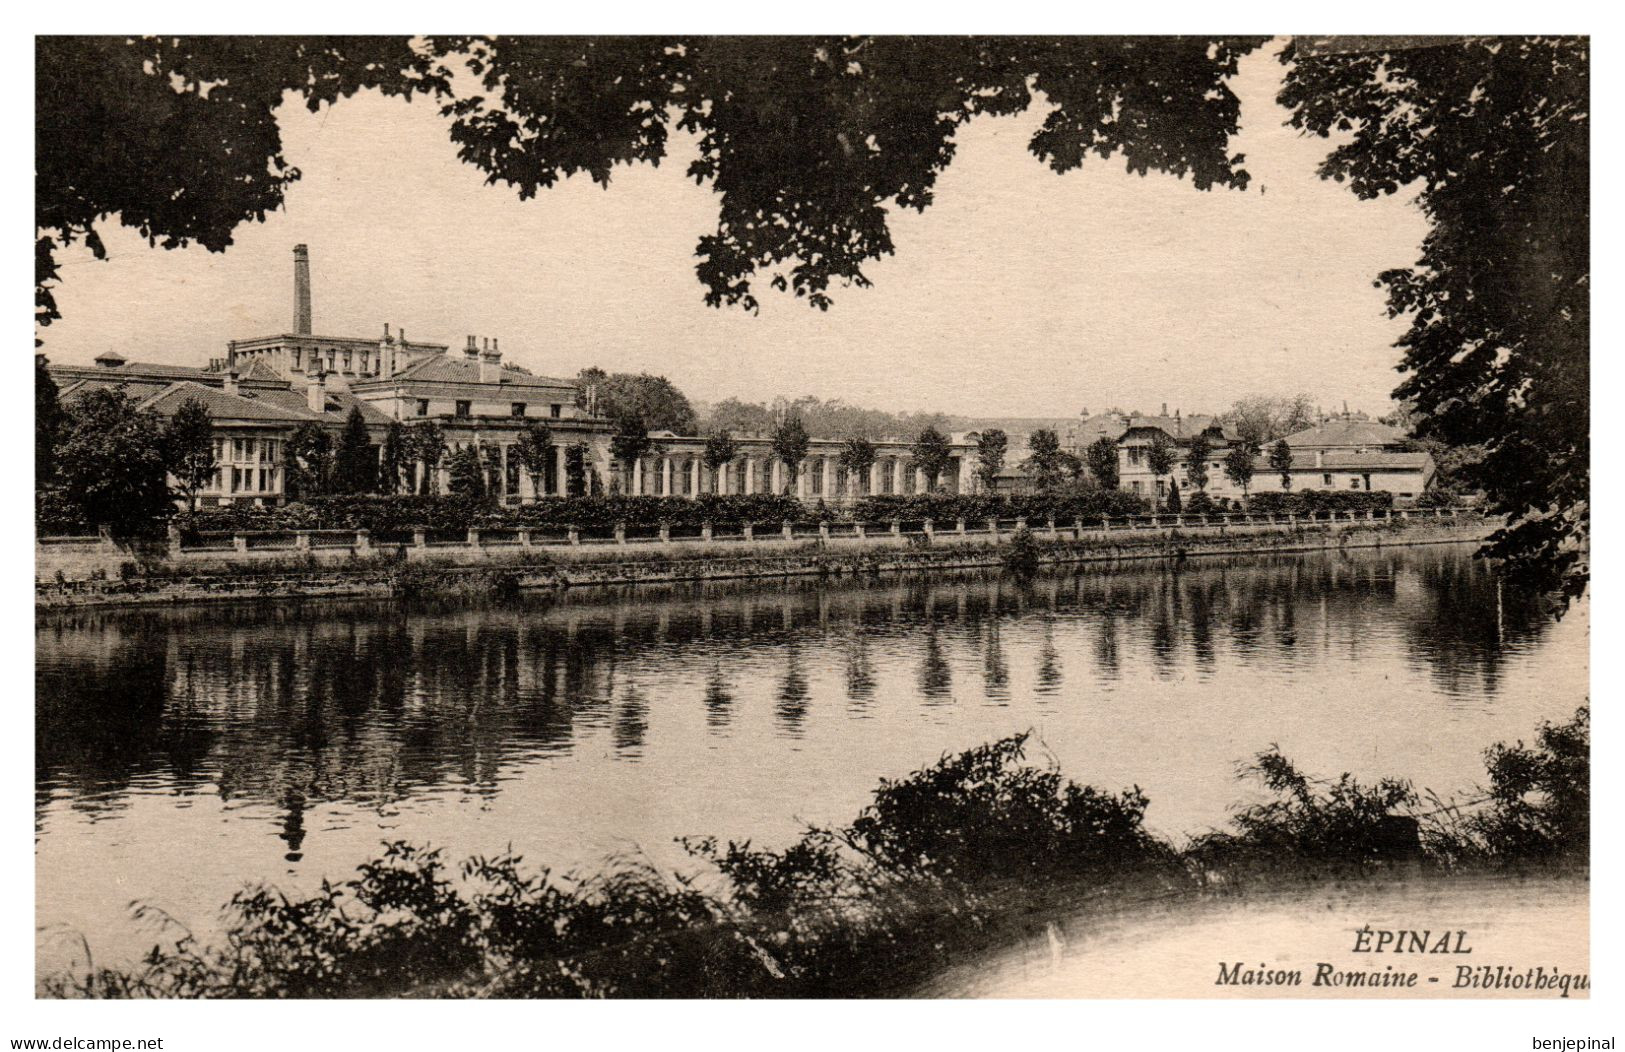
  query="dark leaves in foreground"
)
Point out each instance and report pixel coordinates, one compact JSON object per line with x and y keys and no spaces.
{"x":978,"y":849}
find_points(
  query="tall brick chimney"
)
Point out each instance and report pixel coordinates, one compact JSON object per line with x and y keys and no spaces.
{"x":301,"y":290}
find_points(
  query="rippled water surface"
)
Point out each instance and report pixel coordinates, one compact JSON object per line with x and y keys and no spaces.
{"x":181,"y":753}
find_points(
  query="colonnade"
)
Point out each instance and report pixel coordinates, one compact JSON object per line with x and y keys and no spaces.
{"x":684,"y":473}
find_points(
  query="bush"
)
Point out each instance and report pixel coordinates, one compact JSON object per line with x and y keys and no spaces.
{"x":1343,"y":823}
{"x":1309,"y":501}
{"x":1064,"y":505}
{"x":1539,"y":801}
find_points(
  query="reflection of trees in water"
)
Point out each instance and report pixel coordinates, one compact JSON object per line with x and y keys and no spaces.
{"x":719,"y":702}
{"x":791,"y":710}
{"x":295,"y":705}
{"x":995,"y":670}
{"x":936,"y":678}
{"x":631,"y":722}
{"x":1049,"y":662}
{"x":860,"y":672}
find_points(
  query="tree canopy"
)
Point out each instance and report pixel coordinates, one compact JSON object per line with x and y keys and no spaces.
{"x":810,"y":142}
{"x":1494,"y":135}
{"x":654,"y":400}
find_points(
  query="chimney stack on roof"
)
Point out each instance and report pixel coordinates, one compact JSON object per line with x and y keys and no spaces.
{"x":301,"y":290}
{"x":230,"y":381}
{"x":491,"y":364}
{"x":472,"y":351}
{"x":316,"y":390}
{"x":1165,"y":409}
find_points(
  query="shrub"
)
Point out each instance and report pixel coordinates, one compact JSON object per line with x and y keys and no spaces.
{"x":1343,"y":823}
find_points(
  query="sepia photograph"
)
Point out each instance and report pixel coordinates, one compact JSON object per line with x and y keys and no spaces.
{"x":836,"y":517}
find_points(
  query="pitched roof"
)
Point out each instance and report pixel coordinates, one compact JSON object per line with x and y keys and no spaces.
{"x":338,"y":405}
{"x":222,"y":405}
{"x":1304,"y":460}
{"x":445,"y":368}
{"x":1346,"y":433}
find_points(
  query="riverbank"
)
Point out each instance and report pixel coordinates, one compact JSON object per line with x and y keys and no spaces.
{"x":945,"y":869}
{"x":102,"y":574}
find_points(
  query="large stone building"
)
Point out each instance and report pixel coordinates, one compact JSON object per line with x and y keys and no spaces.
{"x":265,"y":388}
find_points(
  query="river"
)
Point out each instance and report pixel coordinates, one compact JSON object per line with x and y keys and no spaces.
{"x":182,"y":753}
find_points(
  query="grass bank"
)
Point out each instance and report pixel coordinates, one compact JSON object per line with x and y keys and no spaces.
{"x":978,"y":851}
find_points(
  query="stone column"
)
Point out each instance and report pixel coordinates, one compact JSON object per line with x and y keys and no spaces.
{"x":777,"y":483}
{"x":801,"y":479}
{"x":637,"y":477}
{"x":874,"y":477}
{"x":829,"y":478}
{"x":696,"y":471}
{"x":920,"y":481}
{"x":897,"y":476}
{"x":561,"y":481}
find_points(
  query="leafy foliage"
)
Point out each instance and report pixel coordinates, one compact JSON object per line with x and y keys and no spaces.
{"x":355,"y":465}
{"x":790,"y":444}
{"x":308,"y":461}
{"x":809,"y":140}
{"x":1238,"y":464}
{"x":857,"y":456}
{"x":534,"y":448}
{"x":1045,"y":461}
{"x":654,"y":400}
{"x":50,"y":422}
{"x":111,"y":463}
{"x":189,"y":449}
{"x":1281,"y":461}
{"x":991,"y":446}
{"x":720,"y":450}
{"x":1101,"y":459}
{"x":1493,"y":136}
{"x":1162,"y":454}
{"x":932,"y":455}
{"x":177,"y":136}
{"x":465,"y":474}
{"x":954,"y":857}
{"x":1196,"y":457}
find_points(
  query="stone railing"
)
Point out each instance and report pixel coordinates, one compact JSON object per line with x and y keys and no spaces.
{"x":915,"y":531}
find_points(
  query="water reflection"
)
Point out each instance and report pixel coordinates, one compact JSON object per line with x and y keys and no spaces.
{"x":317,"y":728}
{"x":371,"y":702}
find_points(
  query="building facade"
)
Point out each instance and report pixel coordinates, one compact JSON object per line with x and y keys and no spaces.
{"x":266,"y":388}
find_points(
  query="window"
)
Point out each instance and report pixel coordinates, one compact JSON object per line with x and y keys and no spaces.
{"x":423,"y":407}
{"x":464,"y":409}
{"x":1326,"y":479}
{"x":1354,"y":482}
{"x":296,"y":353}
{"x":519,"y":409}
{"x":555,"y":410}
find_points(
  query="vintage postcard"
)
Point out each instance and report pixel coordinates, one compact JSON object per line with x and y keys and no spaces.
{"x":1068,"y":517}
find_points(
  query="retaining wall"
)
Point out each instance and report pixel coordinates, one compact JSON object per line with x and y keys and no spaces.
{"x":152,"y":575}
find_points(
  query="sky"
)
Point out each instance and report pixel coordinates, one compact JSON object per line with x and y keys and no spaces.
{"x":1019,"y":292}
